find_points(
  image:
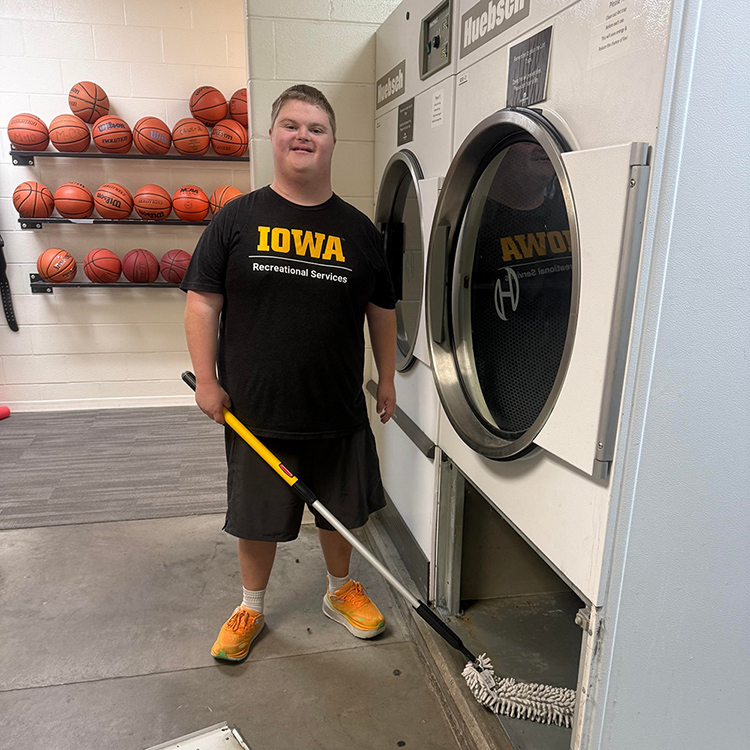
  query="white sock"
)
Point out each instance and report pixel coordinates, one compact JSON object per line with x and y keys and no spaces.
{"x":253,"y":599}
{"x":334,"y":584}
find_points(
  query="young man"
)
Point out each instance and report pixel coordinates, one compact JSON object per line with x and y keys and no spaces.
{"x":279,"y":287}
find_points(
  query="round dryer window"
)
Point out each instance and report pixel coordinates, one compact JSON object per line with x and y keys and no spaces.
{"x":399,"y":216}
{"x":510,"y":281}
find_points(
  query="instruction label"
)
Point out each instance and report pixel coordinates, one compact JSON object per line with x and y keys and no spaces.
{"x":611,"y":37}
{"x":528,"y":66}
{"x":437,"y":108}
{"x":405,"y":122}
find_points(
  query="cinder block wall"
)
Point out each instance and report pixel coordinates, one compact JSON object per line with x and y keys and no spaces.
{"x":329,"y":44}
{"x":111,"y":348}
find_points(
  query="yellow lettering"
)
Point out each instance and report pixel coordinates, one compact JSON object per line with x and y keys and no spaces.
{"x":333,"y":249}
{"x":566,"y":234}
{"x":556,"y":242}
{"x":263,"y":245}
{"x":510,"y":250}
{"x":532,"y":243}
{"x":280,"y":240}
{"x":303,"y":245}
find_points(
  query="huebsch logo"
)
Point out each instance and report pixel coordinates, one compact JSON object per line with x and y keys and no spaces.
{"x":391,"y":85}
{"x":487,"y":19}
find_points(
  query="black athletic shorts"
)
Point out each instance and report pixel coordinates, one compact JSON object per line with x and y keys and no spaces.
{"x":343,"y":472}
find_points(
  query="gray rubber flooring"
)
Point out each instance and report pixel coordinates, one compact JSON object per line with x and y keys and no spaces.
{"x":109,"y":465}
{"x":105,"y":628}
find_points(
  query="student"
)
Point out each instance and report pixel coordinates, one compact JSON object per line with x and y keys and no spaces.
{"x":278,"y":291}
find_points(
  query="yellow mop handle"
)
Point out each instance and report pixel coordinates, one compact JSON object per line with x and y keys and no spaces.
{"x":249,"y":438}
{"x":258,"y":447}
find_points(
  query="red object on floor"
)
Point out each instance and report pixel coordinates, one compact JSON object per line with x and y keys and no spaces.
{"x":4,"y":412}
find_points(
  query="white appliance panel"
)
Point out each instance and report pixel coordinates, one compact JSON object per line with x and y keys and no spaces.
{"x":600,"y":182}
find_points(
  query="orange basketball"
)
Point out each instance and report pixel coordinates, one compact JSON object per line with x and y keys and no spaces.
{"x":208,"y":105}
{"x":173,"y":265}
{"x":88,"y":101}
{"x":152,"y":202}
{"x":238,"y":106}
{"x":112,"y":135}
{"x":190,"y":203}
{"x":74,"y":201}
{"x":69,"y":134}
{"x":140,"y":266}
{"x":221,"y":196}
{"x":152,"y":136}
{"x":33,"y":200}
{"x":229,"y":138}
{"x":113,"y":201}
{"x":56,"y":265}
{"x":190,"y":137}
{"x":27,"y":132}
{"x":102,"y":266}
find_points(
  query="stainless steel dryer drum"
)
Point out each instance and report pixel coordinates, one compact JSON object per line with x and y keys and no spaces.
{"x":504,"y":280}
{"x":399,"y":216}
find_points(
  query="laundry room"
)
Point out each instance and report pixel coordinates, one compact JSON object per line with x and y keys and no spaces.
{"x":448,"y":245}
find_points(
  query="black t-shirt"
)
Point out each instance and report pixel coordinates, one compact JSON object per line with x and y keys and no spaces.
{"x":296,"y":282}
{"x":520,"y":305}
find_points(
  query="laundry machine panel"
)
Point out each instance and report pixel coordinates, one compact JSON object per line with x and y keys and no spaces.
{"x":602,"y":97}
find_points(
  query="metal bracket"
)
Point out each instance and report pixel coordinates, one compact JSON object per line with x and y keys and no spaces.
{"x":22,"y":160}
{"x":583,"y":618}
{"x":30,"y":224}
{"x":39,"y":285}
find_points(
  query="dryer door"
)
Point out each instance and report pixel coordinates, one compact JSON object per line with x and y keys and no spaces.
{"x":504,"y":283}
{"x":399,"y":215}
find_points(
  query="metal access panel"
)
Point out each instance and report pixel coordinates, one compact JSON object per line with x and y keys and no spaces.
{"x":218,"y":737}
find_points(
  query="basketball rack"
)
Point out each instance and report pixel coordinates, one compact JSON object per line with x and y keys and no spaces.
{"x":37,"y":223}
{"x":40,"y":286}
{"x":26,"y":158}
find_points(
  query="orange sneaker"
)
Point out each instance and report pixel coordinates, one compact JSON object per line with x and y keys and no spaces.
{"x":351,"y":607}
{"x":236,"y":635}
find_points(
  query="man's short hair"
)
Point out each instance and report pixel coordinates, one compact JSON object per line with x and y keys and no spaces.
{"x":304,"y":93}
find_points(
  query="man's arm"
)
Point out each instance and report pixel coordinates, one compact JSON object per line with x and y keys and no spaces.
{"x":382,"y":326}
{"x":202,"y":311}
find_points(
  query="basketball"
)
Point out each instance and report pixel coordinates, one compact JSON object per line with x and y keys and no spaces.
{"x":152,"y":202}
{"x":113,"y":201}
{"x":190,"y":203}
{"x":33,"y":200}
{"x":69,"y":134}
{"x":102,"y":266}
{"x":208,"y":105}
{"x":221,"y":196}
{"x":238,"y":106}
{"x":27,"y":132}
{"x":74,"y":201}
{"x":190,"y":137}
{"x":173,"y":265}
{"x":88,"y":101}
{"x":152,"y":136}
{"x":229,"y":138}
{"x":140,"y":266}
{"x":112,"y":135}
{"x":56,"y":265}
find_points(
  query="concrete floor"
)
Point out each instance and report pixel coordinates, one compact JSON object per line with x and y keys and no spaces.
{"x":105,"y":631}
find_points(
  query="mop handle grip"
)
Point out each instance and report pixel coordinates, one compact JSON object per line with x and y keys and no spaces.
{"x":249,"y":438}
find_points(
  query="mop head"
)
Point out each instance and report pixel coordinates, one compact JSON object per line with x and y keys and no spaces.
{"x":520,"y":700}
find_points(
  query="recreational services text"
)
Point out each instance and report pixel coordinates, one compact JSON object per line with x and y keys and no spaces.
{"x":307,"y":272}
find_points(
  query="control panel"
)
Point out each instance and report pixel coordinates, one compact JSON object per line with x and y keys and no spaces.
{"x":435,"y":39}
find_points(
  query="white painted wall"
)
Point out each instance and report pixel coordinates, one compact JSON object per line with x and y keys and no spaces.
{"x":673,"y":654}
{"x":90,"y":348}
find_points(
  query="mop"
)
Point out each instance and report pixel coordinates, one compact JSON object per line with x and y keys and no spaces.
{"x":502,"y":695}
